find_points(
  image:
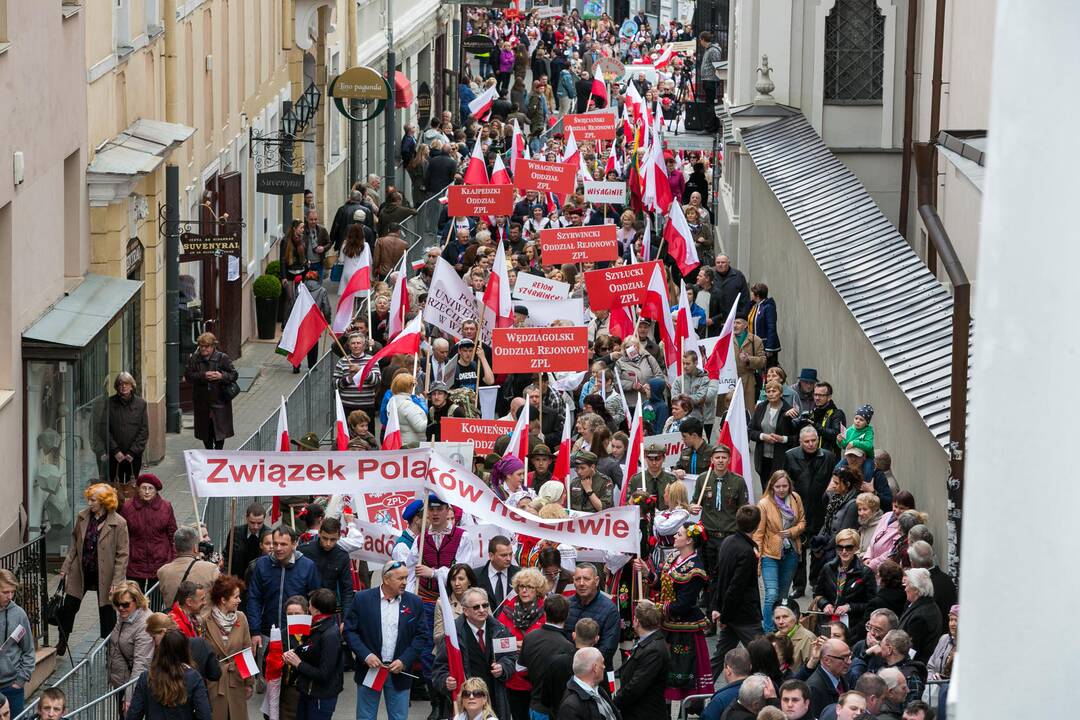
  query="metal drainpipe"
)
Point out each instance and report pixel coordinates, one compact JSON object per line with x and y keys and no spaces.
{"x":935,"y":114}
{"x":925,"y":164}
{"x":909,"y":115}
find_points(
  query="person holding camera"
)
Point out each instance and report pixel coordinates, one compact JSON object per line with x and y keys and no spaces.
{"x":187,"y":565}
{"x":710,"y":55}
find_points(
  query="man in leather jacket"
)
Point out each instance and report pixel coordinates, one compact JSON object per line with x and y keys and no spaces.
{"x":810,"y":468}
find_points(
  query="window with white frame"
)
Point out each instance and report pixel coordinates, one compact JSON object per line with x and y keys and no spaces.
{"x":155,"y":23}
{"x":122,"y":26}
{"x":332,"y":115}
{"x":854,"y":53}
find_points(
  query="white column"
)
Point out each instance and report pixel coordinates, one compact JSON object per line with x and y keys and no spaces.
{"x":1019,"y":583}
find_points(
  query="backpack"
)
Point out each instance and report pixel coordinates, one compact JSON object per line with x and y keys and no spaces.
{"x":466,"y":400}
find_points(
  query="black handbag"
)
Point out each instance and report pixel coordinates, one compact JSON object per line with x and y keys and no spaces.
{"x":229,"y":388}
{"x":55,"y":604}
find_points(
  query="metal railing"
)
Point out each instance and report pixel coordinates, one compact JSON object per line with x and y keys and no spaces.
{"x":106,"y":707}
{"x":28,"y":564}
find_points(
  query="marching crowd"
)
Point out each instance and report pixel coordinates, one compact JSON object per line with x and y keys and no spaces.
{"x":818,"y":578}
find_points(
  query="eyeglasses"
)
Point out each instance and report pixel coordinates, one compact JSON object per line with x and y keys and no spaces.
{"x":479,"y":606}
{"x":841,"y":658}
{"x":876,"y":630}
{"x":473,"y":694}
{"x":124,"y":605}
{"x":845,"y":548}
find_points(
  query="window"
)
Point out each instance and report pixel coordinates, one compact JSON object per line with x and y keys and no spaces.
{"x":122,"y":26}
{"x":155,"y":24}
{"x":854,"y":53}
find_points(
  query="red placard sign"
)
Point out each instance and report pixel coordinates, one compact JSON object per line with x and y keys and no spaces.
{"x":479,"y":200}
{"x":546,"y":176}
{"x":615,"y":286}
{"x":589,"y":243}
{"x":590,"y":126}
{"x":540,"y":349}
{"x":481,"y":433}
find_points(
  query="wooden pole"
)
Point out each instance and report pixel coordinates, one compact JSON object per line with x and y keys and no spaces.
{"x":427,"y":371}
{"x":232,"y":535}
{"x":641,"y":462}
{"x":705,"y":482}
{"x":423,"y":529}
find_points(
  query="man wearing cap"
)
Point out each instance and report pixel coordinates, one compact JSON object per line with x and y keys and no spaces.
{"x":468,"y":372}
{"x":540,"y":458}
{"x":439,"y":406}
{"x":749,"y":357}
{"x":402,"y":550}
{"x":719,"y":495}
{"x":590,"y":491}
{"x":803,"y":389}
{"x":644,"y":335}
{"x":521,"y":316}
{"x":653,"y":476}
{"x":873,"y":479}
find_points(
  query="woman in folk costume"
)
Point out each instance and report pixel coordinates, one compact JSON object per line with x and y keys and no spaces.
{"x":681,"y":580}
{"x":624,"y":583}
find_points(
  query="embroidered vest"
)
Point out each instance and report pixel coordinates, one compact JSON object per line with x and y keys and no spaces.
{"x":433,"y":557}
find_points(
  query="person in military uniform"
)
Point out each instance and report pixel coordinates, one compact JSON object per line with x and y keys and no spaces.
{"x":540,"y":459}
{"x":590,"y":491}
{"x":653,"y":476}
{"x":720,"y":493}
{"x":694,"y":458}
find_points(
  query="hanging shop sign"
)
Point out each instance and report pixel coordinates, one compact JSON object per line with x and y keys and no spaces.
{"x":195,"y":245}
{"x":362,"y":84}
{"x":423,"y":104}
{"x":279,"y":183}
{"x":478,"y":44}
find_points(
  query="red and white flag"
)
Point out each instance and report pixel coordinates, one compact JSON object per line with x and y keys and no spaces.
{"x":621,"y":322}
{"x":680,"y":240}
{"x":636,"y":103}
{"x":657,"y":195}
{"x":599,"y":87}
{"x":519,"y":439}
{"x":646,"y":241}
{"x":245,"y":664}
{"x":274,"y":661}
{"x":611,"y":681}
{"x":571,"y":154}
{"x":518,"y":147}
{"x":299,"y":624}
{"x":665,"y":56}
{"x":656,"y":307}
{"x":376,"y":678}
{"x":303,"y":329}
{"x":561,"y":471}
{"x":499,"y":174}
{"x":476,"y":172}
{"x":612,"y":164}
{"x":685,"y":335}
{"x":451,"y":643}
{"x":720,"y":362}
{"x":407,"y":342}
{"x":632,"y":463}
{"x":359,"y":282}
{"x":498,"y":310}
{"x":399,"y":303}
{"x":392,"y":431}
{"x":734,"y":435}
{"x":480,"y":106}
{"x":341,"y":424}
{"x":282,"y":446}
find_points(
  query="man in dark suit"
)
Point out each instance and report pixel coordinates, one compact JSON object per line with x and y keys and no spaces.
{"x":477,"y":633}
{"x":830,"y":679}
{"x":541,"y":648}
{"x":385,"y":628}
{"x":736,"y":604}
{"x":246,"y":539}
{"x":587,"y":696}
{"x":495,"y":575}
{"x":643,"y":674}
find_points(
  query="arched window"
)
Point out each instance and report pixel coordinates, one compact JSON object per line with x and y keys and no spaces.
{"x":854,"y":52}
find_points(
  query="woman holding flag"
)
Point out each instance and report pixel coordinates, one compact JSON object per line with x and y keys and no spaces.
{"x":320,"y":663}
{"x":227,"y":634}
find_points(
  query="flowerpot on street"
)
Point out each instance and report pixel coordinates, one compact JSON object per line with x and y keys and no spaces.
{"x":266,"y":317}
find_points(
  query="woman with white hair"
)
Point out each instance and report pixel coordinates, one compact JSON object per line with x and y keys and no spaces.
{"x":128,"y":430}
{"x":922,"y":618}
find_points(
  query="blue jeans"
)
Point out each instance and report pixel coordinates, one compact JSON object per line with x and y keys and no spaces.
{"x":367,"y":702}
{"x":313,"y":708}
{"x":427,"y":658}
{"x":16,"y":698}
{"x":534,"y":715}
{"x":776,"y":576}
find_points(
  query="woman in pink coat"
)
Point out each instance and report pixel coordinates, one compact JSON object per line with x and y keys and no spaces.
{"x":888,"y":531}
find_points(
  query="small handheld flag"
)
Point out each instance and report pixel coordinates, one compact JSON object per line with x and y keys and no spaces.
{"x":299,"y":624}
{"x":245,"y":664}
{"x":376,"y":678}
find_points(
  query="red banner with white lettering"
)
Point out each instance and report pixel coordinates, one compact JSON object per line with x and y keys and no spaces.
{"x":555,"y":177}
{"x":590,"y":126}
{"x":540,"y":349}
{"x":624,"y":285}
{"x":482,"y":433}
{"x":589,"y":243}
{"x":479,"y":200}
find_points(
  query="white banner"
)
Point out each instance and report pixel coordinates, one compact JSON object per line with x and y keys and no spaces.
{"x":727,"y":380}
{"x":673,"y":446}
{"x":450,"y":300}
{"x":534,"y":287}
{"x":544,"y":312}
{"x":244,"y":473}
{"x":487,"y":395}
{"x":548,"y":12}
{"x":611,"y":193}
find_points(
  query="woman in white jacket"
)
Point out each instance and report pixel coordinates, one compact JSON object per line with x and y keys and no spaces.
{"x":412,"y":418}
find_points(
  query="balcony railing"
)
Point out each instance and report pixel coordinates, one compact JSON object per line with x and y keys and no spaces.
{"x":28,"y":564}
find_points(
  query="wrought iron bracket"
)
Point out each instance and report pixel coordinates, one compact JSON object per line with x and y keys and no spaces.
{"x":266,"y":150}
{"x":223,"y":226}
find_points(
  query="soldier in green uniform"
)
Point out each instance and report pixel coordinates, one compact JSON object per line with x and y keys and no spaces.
{"x":590,"y":491}
{"x":718,"y":495}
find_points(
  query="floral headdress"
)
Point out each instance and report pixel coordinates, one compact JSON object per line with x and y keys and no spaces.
{"x":696,"y":531}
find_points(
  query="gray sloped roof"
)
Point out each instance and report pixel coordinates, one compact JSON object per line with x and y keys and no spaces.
{"x":904,"y":310}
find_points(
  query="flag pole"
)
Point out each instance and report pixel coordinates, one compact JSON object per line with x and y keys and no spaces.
{"x":423,"y":529}
{"x":641,"y":461}
{"x":333,"y":335}
{"x":232,"y":533}
{"x":427,"y":370}
{"x":701,"y":495}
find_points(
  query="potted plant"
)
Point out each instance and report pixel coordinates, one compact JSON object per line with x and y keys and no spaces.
{"x":267,"y":289}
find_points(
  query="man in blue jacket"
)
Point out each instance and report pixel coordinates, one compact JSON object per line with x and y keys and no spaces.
{"x":385,"y":627}
{"x":589,"y":602}
{"x":275,"y":578}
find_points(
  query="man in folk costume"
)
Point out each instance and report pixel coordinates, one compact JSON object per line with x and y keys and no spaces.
{"x":444,"y":544}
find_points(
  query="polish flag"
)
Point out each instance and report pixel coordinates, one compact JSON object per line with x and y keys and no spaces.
{"x":680,"y":239}
{"x":561,"y":471}
{"x":358,"y":283}
{"x":299,"y":624}
{"x":341,"y":424}
{"x":612,"y":164}
{"x":599,"y":87}
{"x":480,"y":107}
{"x":657,"y":195}
{"x":519,"y":439}
{"x":611,"y":681}
{"x":571,"y":154}
{"x":282,"y":446}
{"x":450,"y":638}
{"x":632,"y":463}
{"x":666,"y":55}
{"x":303,"y":329}
{"x":407,"y":342}
{"x":476,"y":172}
{"x":656,"y":307}
{"x":399,"y":302}
{"x":245,"y":664}
{"x":274,"y":661}
{"x":499,"y":174}
{"x":376,"y":678}
{"x":392,"y":431}
{"x":685,"y":336}
{"x":635,"y":102}
{"x":620,"y":322}
{"x":498,"y":311}
{"x":518,"y":147}
{"x":733,"y":434}
{"x":720,"y":362}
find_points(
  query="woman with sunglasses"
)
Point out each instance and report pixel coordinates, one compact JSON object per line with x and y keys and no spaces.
{"x":845,"y":585}
{"x":473,"y":701}
{"x":130,"y":648}
{"x":521,"y":614}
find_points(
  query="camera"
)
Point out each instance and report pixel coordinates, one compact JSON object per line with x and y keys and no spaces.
{"x":206,"y":549}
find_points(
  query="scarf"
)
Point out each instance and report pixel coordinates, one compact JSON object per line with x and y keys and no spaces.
{"x":787,"y":516}
{"x":523,"y":616}
{"x":740,"y":338}
{"x":225,"y":620}
{"x":835,"y":503}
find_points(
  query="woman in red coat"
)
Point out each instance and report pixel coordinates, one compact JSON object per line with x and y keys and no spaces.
{"x":522,"y":613}
{"x":151,"y":524}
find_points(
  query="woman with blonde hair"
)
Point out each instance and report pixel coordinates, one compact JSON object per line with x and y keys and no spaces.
{"x":474,"y":702}
{"x":96,"y":560}
{"x":868,"y":506}
{"x":521,"y":614}
{"x":779,"y":540}
{"x":626,"y":232}
{"x":130,"y":647}
{"x":412,"y":419}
